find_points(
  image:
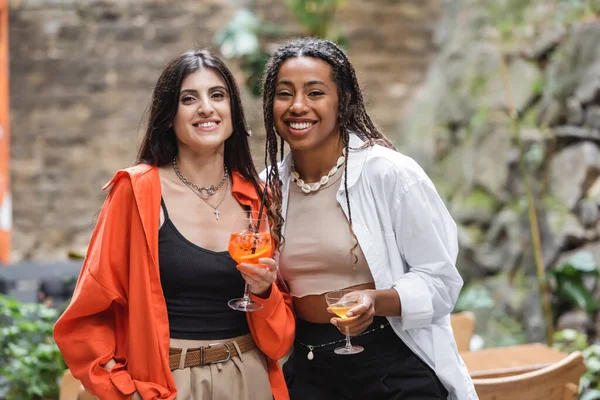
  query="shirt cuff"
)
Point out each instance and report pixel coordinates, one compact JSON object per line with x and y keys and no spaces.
{"x":121,"y":378}
{"x":415,"y":299}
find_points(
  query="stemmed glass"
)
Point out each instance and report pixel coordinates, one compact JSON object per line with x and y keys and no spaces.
{"x":340,"y":302}
{"x":250,"y":240}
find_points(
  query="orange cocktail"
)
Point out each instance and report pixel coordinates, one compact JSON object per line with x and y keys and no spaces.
{"x":250,"y":240}
{"x":248,"y":247}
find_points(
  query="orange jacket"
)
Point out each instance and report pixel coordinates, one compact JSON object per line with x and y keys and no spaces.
{"x":118,"y":309}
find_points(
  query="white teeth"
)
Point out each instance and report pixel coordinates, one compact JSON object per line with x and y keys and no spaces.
{"x":300,"y":125}
{"x":206,"y":124}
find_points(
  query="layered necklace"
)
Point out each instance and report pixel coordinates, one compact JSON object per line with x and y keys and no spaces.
{"x":308,"y":188}
{"x":204,"y":192}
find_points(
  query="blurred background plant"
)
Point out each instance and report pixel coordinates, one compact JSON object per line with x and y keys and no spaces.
{"x":30,"y":362}
{"x":570,"y":340}
{"x":574,"y":282}
{"x":246,"y":37}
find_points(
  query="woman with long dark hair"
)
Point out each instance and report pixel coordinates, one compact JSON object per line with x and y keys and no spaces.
{"x":363,"y":217}
{"x":150,"y":317}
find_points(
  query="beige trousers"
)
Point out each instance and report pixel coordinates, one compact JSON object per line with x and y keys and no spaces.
{"x":241,"y":378}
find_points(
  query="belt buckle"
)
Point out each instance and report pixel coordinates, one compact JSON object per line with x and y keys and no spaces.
{"x":226,"y":347}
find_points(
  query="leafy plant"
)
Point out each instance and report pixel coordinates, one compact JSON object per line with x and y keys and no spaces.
{"x":30,"y":362}
{"x":568,"y":281}
{"x":315,"y":15}
{"x":570,"y":340}
{"x":494,"y":325}
{"x":244,"y":36}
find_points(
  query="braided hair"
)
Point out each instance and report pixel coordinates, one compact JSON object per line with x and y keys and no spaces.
{"x":352,"y":113}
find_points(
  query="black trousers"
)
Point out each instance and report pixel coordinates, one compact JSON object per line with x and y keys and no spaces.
{"x":386,"y":370}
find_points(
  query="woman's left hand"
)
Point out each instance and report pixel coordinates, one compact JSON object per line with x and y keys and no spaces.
{"x":359,"y":317}
{"x":260,"y":277}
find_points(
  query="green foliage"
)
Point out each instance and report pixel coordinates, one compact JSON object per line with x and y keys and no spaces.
{"x":479,"y":120}
{"x":568,"y":281}
{"x":315,"y":15}
{"x":241,"y":39}
{"x":534,"y":157}
{"x":495,"y":326}
{"x":569,"y":11}
{"x":474,"y":296}
{"x":508,"y":16}
{"x":30,"y":362}
{"x":516,"y":20}
{"x":244,"y":36}
{"x":570,"y":340}
{"x":537,"y":87}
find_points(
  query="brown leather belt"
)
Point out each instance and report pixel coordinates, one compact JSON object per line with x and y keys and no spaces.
{"x":211,"y":354}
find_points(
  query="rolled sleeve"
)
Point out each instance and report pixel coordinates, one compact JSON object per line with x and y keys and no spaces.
{"x":417,"y":308}
{"x":121,"y":378}
{"x":426,"y":236}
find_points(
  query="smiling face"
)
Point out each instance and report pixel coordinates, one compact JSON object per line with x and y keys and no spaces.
{"x":305,"y":107}
{"x":203,"y":119}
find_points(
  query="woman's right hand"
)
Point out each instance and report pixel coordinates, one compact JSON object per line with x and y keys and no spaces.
{"x":259,"y":279}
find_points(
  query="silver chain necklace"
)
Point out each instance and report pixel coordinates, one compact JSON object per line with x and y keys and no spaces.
{"x":215,"y":208}
{"x":205,"y":191}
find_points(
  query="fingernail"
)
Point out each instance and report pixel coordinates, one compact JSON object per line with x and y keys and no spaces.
{"x":349,"y":313}
{"x":333,"y":321}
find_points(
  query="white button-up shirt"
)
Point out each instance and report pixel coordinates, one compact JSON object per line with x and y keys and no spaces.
{"x":410,"y":243}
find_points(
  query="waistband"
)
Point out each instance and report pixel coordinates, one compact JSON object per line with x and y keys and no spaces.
{"x":211,"y":354}
{"x":320,"y":335}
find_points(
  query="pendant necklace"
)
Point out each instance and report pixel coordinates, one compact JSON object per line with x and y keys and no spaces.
{"x":215,"y":208}
{"x":205,"y":191}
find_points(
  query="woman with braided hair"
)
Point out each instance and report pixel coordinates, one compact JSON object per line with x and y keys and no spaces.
{"x":361,"y":216}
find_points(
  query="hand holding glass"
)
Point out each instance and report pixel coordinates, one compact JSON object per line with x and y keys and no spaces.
{"x":249,"y":241}
{"x":340,"y":302}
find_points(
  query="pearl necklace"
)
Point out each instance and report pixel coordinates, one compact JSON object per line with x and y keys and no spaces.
{"x":306,"y":188}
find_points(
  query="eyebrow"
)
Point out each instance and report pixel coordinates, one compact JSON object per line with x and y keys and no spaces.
{"x":212,"y":89}
{"x":306,"y":84}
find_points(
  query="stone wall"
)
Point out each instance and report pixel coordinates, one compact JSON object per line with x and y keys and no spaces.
{"x":545,"y":61}
{"x":82,"y":74}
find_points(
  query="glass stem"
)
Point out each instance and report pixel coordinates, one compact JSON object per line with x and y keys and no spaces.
{"x":348,"y":344}
{"x":246,"y":298}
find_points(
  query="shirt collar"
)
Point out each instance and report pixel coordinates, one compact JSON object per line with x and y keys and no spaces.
{"x":242,"y":187}
{"x":355,"y":159}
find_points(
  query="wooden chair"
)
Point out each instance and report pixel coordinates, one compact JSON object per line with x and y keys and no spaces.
{"x":463,"y":325}
{"x":558,"y":381}
{"x":71,"y":389}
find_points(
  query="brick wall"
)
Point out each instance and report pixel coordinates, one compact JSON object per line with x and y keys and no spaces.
{"x":82,"y":74}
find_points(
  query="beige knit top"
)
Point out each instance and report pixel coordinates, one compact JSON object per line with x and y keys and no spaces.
{"x":316,"y":258}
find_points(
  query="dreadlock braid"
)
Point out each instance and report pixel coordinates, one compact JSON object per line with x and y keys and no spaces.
{"x":346,"y":140}
{"x":351,"y":109}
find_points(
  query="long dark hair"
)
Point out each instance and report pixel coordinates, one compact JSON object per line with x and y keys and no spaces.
{"x":159,"y":144}
{"x":352,"y":113}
